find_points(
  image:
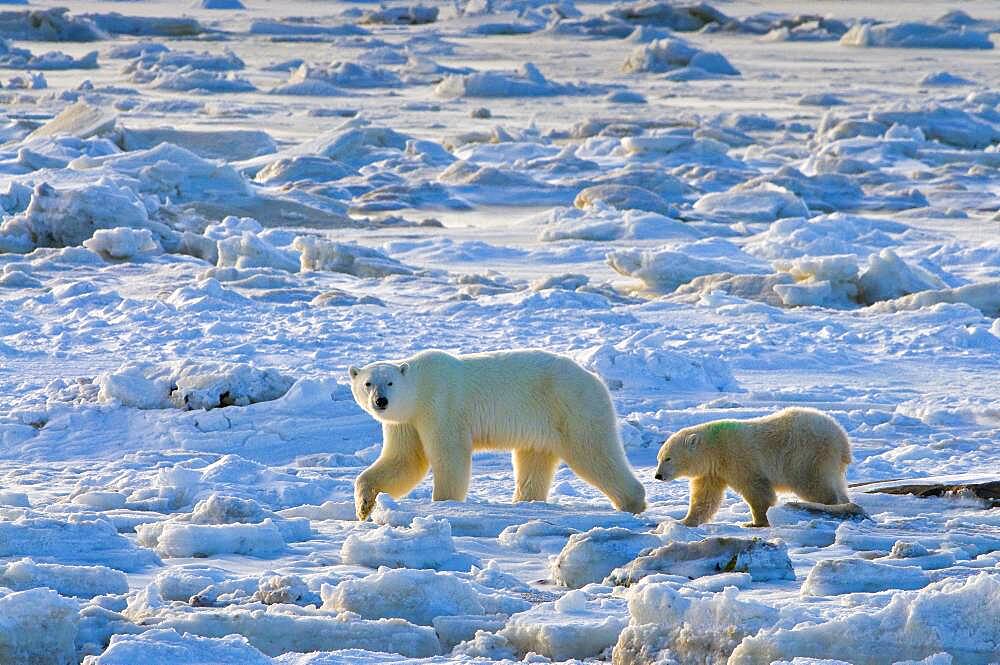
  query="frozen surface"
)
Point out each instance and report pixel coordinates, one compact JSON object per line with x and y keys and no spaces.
{"x":209,"y":210}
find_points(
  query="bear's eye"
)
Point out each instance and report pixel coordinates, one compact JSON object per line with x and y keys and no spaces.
{"x":390,"y":383}
{"x":667,"y":459}
{"x":368,"y":384}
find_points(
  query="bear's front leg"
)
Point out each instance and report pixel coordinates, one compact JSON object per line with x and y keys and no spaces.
{"x":449,"y":451}
{"x":397,"y":470}
{"x":706,"y":497}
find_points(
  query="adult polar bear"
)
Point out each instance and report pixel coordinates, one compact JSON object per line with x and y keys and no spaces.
{"x":437,"y":408}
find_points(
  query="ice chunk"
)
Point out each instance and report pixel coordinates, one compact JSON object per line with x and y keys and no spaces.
{"x":82,"y":581}
{"x":831,"y":577}
{"x":123,"y":244}
{"x":664,"y":55}
{"x":947,"y":124}
{"x":589,"y":557}
{"x":960,"y":617}
{"x":401,"y":15}
{"x":527,"y":81}
{"x":48,"y":25}
{"x":426,"y":543}
{"x":623,"y":197}
{"x":176,"y":539}
{"x":75,"y":539}
{"x":571,"y":627}
{"x":764,"y":560}
{"x":251,"y":251}
{"x":350,"y":258}
{"x":683,"y":18}
{"x":637,"y":364}
{"x":984,"y":296}
{"x":915,"y":35}
{"x":663,"y":270}
{"x":37,"y":627}
{"x":687,"y":626}
{"x":764,"y":203}
{"x":167,"y":646}
{"x":419,"y":596}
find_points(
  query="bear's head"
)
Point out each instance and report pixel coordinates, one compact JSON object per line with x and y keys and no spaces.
{"x":385,"y":391}
{"x":681,"y":455}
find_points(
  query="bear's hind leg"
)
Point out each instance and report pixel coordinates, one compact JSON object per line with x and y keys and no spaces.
{"x":706,"y":497}
{"x":608,"y":471}
{"x":533,"y":472}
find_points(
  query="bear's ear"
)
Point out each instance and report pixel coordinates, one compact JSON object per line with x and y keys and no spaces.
{"x":692,"y":440}
{"x":404,"y":368}
{"x":353,"y":371}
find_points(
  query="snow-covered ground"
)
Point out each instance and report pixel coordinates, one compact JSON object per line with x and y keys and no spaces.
{"x":722,"y":210}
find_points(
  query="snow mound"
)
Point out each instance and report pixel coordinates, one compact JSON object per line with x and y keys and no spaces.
{"x":426,"y":543}
{"x":37,"y":626}
{"x":80,"y":581}
{"x":123,"y":244}
{"x":19,"y":58}
{"x":249,"y":250}
{"x":831,"y":577}
{"x":984,"y":296}
{"x":185,"y":385}
{"x":940,"y":79}
{"x":764,"y":203}
{"x":219,"y":4}
{"x":589,"y":557}
{"x":663,"y":270}
{"x":418,"y":596}
{"x":527,"y":81}
{"x":915,"y":35}
{"x":763,"y":560}
{"x":48,"y":25}
{"x":946,"y":124}
{"x":571,"y":627}
{"x":673,"y":624}
{"x":826,"y":235}
{"x":960,"y":617}
{"x":673,"y":55}
{"x":167,"y":646}
{"x":312,"y":80}
{"x":401,"y":15}
{"x":683,"y":18}
{"x":623,"y":197}
{"x":349,"y":258}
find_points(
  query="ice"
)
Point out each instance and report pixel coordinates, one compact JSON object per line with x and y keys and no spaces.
{"x":571,"y":627}
{"x":82,"y":581}
{"x":915,"y":35}
{"x":588,"y":557}
{"x":37,"y":626}
{"x":19,"y":58}
{"x":663,"y":270}
{"x":204,"y":540}
{"x":672,"y":624}
{"x":48,"y":25}
{"x":162,"y":646}
{"x":836,"y":576}
{"x":76,"y":539}
{"x":426,"y":543}
{"x":527,"y":81}
{"x":984,"y":296}
{"x":674,"y":55}
{"x":759,"y":204}
{"x":763,"y":560}
{"x":123,"y":244}
{"x":352,"y":259}
{"x":953,"y":616}
{"x":632,"y":365}
{"x":657,"y":13}
{"x":419,"y":596}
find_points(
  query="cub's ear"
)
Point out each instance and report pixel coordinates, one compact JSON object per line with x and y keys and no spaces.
{"x":404,"y":368}
{"x":353,"y":371}
{"x":692,"y":440}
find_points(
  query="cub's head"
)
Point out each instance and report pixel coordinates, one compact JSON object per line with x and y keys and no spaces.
{"x":682,"y":455}
{"x":385,"y":390}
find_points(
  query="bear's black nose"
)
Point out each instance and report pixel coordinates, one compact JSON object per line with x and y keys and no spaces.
{"x":659,"y":476}
{"x":381,"y":402}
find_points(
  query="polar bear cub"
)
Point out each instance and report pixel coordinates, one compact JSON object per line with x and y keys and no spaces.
{"x":437,"y":408}
{"x":797,"y":450}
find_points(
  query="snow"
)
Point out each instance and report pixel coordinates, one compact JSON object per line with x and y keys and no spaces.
{"x":204,"y":224}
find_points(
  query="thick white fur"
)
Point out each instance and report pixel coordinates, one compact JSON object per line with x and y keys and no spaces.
{"x":795,"y":450}
{"x":441,"y":407}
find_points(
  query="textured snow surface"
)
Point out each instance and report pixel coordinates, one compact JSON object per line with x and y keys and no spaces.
{"x":210,"y":209}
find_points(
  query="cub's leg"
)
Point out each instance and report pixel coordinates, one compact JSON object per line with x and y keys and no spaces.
{"x":533,"y":472}
{"x":759,"y":494}
{"x":397,"y":470}
{"x":706,"y":497}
